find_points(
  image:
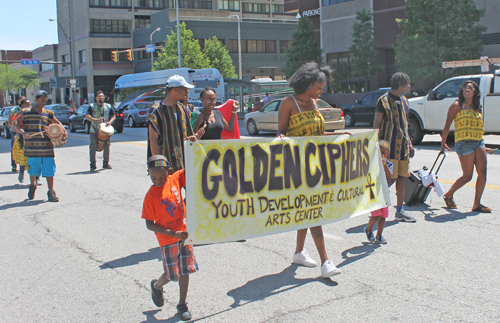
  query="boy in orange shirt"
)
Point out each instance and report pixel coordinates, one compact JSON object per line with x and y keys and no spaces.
{"x":165,"y":214}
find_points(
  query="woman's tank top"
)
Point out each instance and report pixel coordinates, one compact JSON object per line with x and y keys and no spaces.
{"x":468,"y":125}
{"x":307,"y":123}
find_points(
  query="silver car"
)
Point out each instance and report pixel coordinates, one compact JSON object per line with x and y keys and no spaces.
{"x":61,"y":111}
{"x":266,"y":118}
{"x":136,"y":113}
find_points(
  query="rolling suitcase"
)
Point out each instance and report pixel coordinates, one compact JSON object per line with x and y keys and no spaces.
{"x":415,"y":192}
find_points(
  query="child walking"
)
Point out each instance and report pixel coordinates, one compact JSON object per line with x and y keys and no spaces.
{"x":379,"y":216}
{"x":165,"y":214}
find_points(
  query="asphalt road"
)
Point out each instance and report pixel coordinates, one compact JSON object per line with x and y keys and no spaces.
{"x":90,"y":258}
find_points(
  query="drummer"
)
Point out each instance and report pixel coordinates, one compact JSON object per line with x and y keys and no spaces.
{"x":98,"y":113}
{"x":38,"y":147}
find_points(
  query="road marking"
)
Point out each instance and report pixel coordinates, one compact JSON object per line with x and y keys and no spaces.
{"x":131,"y":143}
{"x":490,"y":186}
{"x":333,"y":237}
{"x":122,"y":142}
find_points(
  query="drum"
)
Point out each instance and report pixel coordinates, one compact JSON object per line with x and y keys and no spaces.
{"x":103,"y":134}
{"x":57,"y":134}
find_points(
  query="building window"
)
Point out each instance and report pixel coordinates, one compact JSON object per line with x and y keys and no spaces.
{"x":45,"y":86}
{"x":104,"y":55}
{"x":256,"y":7}
{"x":229,"y":5}
{"x":278,"y":8}
{"x":195,"y":4}
{"x":332,"y":2}
{"x":270,"y":46}
{"x":153,"y":4}
{"x":142,"y":22}
{"x":233,"y":46}
{"x":253,"y":46}
{"x":284,"y":45}
{"x":110,"y":3}
{"x":82,"y":59}
{"x":109,"y":26}
{"x":46,"y":67}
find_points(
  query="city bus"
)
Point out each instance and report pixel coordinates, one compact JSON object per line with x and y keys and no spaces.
{"x":267,"y":85}
{"x":150,"y":86}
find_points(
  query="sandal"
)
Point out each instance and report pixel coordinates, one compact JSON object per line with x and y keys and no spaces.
{"x":450,"y":204}
{"x":482,"y":209}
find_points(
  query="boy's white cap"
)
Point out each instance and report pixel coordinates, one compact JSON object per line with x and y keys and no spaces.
{"x":178,"y":81}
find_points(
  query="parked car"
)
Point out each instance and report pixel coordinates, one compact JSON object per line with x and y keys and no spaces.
{"x":428,"y":113}
{"x":79,"y":122}
{"x":4,"y":126}
{"x":136,"y":113}
{"x":363,"y":110}
{"x":61,"y":111}
{"x":266,"y":118}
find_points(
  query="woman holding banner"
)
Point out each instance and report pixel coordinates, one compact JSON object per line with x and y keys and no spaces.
{"x":214,"y":118}
{"x":299,"y":116}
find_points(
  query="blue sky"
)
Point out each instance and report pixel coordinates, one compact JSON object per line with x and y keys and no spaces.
{"x":25,"y":25}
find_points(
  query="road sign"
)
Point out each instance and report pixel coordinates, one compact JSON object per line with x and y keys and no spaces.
{"x":150,"y":48}
{"x":73,"y":86}
{"x":53,"y":83}
{"x":72,"y":82}
{"x":30,"y":61}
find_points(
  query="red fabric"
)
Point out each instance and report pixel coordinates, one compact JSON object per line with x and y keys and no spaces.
{"x":227,"y":109}
{"x":165,"y":206}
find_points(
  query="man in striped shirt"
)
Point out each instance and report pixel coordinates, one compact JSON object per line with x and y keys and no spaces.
{"x":38,"y":147}
{"x":168,"y":124}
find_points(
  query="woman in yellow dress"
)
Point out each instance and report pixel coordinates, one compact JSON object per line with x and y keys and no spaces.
{"x":299,"y":116}
{"x":469,"y":143}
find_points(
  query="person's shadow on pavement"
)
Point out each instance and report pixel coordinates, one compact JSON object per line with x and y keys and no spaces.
{"x":359,"y":252}
{"x":269,"y":285}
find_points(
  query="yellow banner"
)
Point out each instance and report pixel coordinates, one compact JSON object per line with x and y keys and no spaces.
{"x":239,"y":189}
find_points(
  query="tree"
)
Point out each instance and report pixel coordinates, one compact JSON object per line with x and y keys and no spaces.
{"x":304,"y":47}
{"x":218,"y":57}
{"x":13,"y":79}
{"x":365,"y":58}
{"x":191,"y":54}
{"x":437,"y":31}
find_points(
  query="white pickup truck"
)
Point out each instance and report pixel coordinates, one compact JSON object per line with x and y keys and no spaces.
{"x":428,"y":113}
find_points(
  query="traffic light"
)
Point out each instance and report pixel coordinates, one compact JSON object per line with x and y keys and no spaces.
{"x":113,"y":56}
{"x":129,"y":54}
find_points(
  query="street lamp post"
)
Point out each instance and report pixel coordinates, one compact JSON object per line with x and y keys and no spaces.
{"x":68,"y":39}
{"x":239,"y":46}
{"x":151,"y":42}
{"x":178,"y":34}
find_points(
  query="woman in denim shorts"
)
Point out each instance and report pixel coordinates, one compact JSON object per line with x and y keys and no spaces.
{"x":469,"y":143}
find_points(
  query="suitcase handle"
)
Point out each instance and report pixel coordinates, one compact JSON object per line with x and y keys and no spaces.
{"x":437,"y":158}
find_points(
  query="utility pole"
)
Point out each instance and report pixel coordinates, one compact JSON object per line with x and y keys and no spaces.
{"x":178,"y":34}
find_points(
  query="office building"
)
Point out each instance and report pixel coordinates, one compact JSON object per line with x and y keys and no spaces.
{"x":335,"y":18}
{"x":95,"y":28}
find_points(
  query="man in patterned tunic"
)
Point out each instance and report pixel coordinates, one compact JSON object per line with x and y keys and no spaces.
{"x":38,"y":147}
{"x":98,"y":113}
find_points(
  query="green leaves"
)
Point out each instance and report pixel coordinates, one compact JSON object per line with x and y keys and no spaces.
{"x":219,"y":58}
{"x":304,"y":47}
{"x":191,"y":54}
{"x":13,"y":79}
{"x":214,"y":55}
{"x":437,"y":31}
{"x":365,"y":58}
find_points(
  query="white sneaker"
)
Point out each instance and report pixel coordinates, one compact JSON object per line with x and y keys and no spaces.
{"x":302,"y":258}
{"x":328,"y":269}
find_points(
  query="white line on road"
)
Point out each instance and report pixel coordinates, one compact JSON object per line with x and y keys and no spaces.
{"x":333,"y":237}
